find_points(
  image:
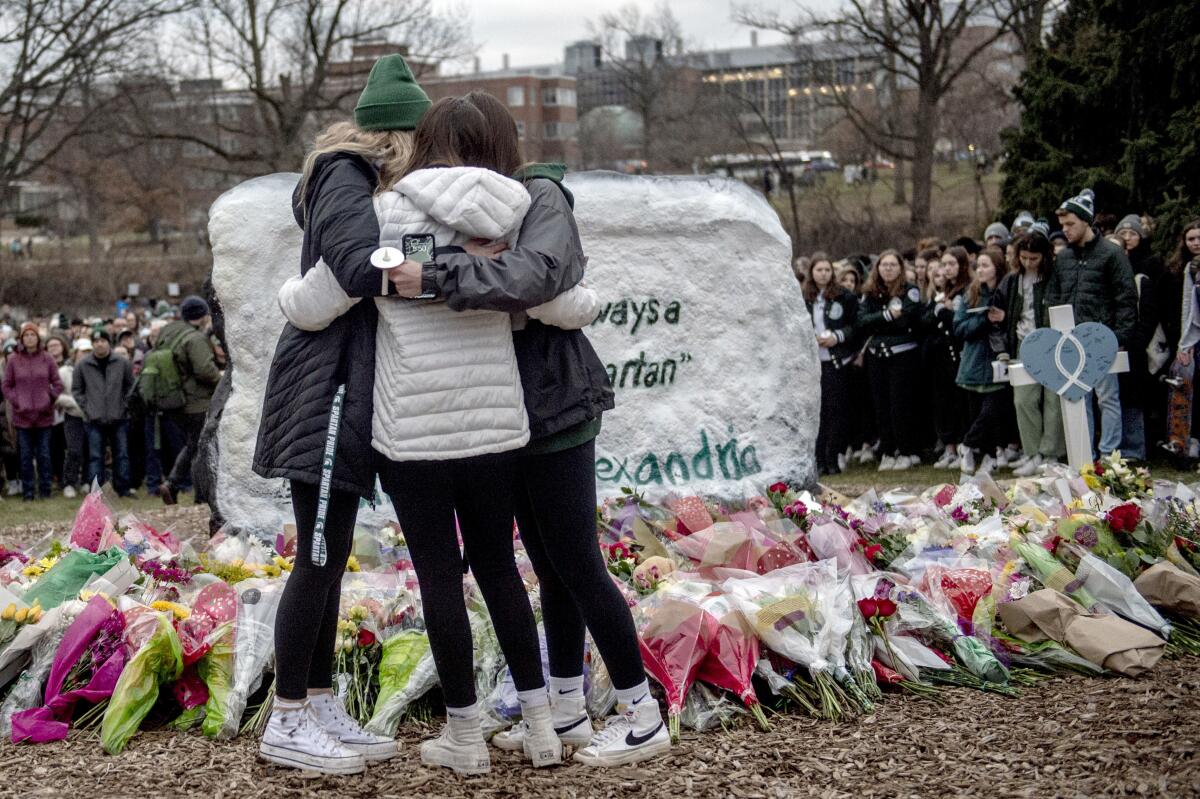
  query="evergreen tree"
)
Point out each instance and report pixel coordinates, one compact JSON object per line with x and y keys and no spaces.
{"x":1112,"y":103}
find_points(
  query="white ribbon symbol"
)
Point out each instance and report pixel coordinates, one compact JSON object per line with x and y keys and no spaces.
{"x":1073,"y":378}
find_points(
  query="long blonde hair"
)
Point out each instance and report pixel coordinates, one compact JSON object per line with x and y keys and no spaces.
{"x":391,"y":149}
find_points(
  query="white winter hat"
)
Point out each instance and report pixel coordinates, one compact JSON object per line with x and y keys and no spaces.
{"x":83,"y":345}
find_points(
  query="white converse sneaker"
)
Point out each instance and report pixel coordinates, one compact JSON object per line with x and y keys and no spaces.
{"x":1001,"y":458}
{"x":69,"y":492}
{"x":903,"y":463}
{"x":866,"y":454}
{"x":331,"y":714}
{"x":987,"y":465}
{"x":887,"y":464}
{"x":1011,"y":454}
{"x":540,"y":741}
{"x":637,"y":734}
{"x":1030,"y":467}
{"x":843,"y":462}
{"x":460,"y":747}
{"x":966,"y":459}
{"x":944,"y":461}
{"x":572,"y":725}
{"x":1020,"y":462}
{"x":14,"y":488}
{"x":295,"y":740}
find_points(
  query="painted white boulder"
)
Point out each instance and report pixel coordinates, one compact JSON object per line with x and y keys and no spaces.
{"x":704,"y":332}
{"x":703,"y":329}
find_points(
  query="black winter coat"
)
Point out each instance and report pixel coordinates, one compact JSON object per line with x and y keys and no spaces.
{"x":841,"y":317}
{"x":564,"y":381}
{"x":887,"y":329}
{"x":1097,"y":282}
{"x":1011,"y":300}
{"x":341,"y":227}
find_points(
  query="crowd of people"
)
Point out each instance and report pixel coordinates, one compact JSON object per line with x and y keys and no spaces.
{"x":124,"y":398}
{"x":908,"y":341}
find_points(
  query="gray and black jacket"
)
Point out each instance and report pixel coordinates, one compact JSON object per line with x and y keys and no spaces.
{"x":101,"y":388}
{"x":841,"y":315}
{"x":564,"y":381}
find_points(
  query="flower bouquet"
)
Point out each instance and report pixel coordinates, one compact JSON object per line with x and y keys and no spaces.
{"x":253,"y":649}
{"x":735,"y":545}
{"x":732,"y":655}
{"x":406,"y":673}
{"x":158,"y":660}
{"x":674,"y":635}
{"x":794,"y":612}
{"x":1113,"y":474}
{"x":86,"y":666}
{"x":920,"y":616}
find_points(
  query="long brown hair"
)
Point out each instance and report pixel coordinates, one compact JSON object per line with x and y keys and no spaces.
{"x":1184,"y":256}
{"x":810,"y":285}
{"x":472,"y":130}
{"x":877,"y":287}
{"x":963,"y":280}
{"x":1037,"y":243}
{"x":996,"y":256}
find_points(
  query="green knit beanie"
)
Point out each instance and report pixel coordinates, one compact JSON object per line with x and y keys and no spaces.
{"x":391,"y":100}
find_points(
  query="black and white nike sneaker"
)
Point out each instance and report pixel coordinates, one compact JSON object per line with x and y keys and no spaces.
{"x":637,"y":734}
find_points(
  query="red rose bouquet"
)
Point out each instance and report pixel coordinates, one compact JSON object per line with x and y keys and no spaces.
{"x":675,"y":635}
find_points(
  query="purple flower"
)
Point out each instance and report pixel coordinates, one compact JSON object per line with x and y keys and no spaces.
{"x":1085,"y":535}
{"x":959,"y":515}
{"x":878,"y":506}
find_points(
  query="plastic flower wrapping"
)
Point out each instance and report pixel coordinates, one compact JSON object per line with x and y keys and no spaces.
{"x":743,"y":607}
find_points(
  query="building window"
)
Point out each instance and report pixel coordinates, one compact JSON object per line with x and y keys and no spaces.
{"x":558,"y":96}
{"x":559,"y":130}
{"x":516,"y":96}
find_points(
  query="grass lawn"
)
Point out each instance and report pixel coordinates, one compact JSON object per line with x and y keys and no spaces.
{"x":14,"y":512}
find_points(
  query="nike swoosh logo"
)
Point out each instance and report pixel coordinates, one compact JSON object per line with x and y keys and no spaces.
{"x":638,"y":740}
{"x":571,"y":726}
{"x":561,"y":692}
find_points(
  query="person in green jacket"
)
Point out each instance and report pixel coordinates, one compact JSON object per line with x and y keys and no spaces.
{"x":197,"y":364}
{"x":1093,"y":276}
{"x":988,"y":402}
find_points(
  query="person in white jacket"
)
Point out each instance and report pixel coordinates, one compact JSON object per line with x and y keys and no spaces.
{"x":449,"y":416}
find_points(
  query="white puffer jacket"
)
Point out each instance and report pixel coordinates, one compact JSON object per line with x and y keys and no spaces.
{"x":446,"y":382}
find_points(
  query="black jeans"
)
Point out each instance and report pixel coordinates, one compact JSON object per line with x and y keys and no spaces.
{"x":306,"y":622}
{"x":556,"y":514}
{"x":989,"y":414}
{"x":894,"y":389}
{"x":73,"y":460}
{"x":833,"y":436}
{"x":181,"y":472}
{"x":427,"y":496}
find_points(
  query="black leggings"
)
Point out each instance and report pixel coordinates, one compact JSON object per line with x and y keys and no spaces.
{"x":556,"y":514}
{"x":306,"y":623}
{"x":427,"y":495}
{"x":833,"y":435}
{"x":894,"y":392}
{"x":988,"y":419}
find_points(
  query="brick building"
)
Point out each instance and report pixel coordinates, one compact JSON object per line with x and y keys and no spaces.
{"x":541,"y":99}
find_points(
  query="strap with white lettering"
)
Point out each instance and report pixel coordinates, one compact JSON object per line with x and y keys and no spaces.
{"x":319,"y":551}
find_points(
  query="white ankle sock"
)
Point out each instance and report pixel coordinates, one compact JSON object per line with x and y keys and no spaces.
{"x":469,"y":712}
{"x":535,"y":698}
{"x":628,"y":697}
{"x":563,"y":687}
{"x":288,"y":704}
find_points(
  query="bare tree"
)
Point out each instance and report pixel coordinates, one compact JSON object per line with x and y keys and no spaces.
{"x":927,"y":46}
{"x":283,"y":56}
{"x":50,"y":51}
{"x":1029,"y":22}
{"x":658,"y":78}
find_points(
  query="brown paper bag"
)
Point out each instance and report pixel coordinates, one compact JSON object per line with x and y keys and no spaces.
{"x":1040,"y":616}
{"x":1166,"y":586}
{"x":1115,"y":644}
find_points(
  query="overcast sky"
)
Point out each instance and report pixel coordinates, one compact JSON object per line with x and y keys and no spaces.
{"x":534,"y":31}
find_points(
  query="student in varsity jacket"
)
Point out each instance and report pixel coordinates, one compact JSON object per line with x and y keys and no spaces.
{"x":890,"y":318}
{"x":833,"y":310}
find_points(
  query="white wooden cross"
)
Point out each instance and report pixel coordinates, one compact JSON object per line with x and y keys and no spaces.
{"x":1074,"y":412}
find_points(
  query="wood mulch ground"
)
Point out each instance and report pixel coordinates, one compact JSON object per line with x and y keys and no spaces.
{"x":1073,"y":737}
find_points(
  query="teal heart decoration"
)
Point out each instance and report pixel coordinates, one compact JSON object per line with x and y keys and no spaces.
{"x":1070,"y":364}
